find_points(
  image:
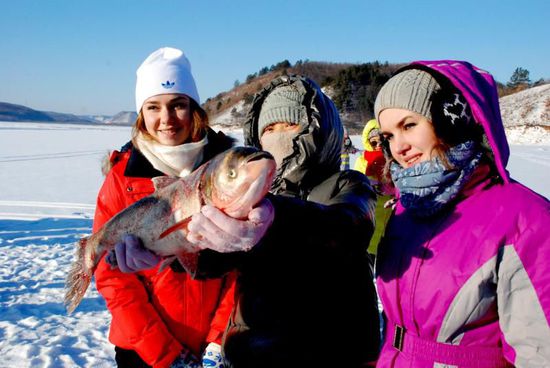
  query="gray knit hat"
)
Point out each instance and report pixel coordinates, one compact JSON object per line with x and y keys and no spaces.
{"x":411,"y":89}
{"x":283,"y":104}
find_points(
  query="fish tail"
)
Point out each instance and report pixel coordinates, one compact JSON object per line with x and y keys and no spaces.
{"x":79,"y":277}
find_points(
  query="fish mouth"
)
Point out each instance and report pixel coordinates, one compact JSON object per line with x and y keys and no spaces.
{"x":256,"y":167}
{"x":259,"y":155}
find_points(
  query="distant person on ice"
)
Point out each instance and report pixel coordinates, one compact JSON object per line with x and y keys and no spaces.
{"x":347,"y":149}
{"x":305,"y":295}
{"x":463,"y":271}
{"x":161,"y":319}
{"x":371,"y":162}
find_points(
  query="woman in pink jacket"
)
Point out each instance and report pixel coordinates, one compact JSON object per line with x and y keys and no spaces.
{"x":463,"y":270}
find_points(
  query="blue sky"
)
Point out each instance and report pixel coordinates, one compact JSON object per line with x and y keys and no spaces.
{"x":80,"y":56}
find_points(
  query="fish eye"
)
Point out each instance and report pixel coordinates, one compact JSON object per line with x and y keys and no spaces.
{"x":232,"y":173}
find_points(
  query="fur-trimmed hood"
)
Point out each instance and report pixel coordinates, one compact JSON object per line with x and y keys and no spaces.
{"x":479,"y":89}
{"x":316,"y":148}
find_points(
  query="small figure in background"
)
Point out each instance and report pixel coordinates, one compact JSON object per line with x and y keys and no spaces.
{"x":371,"y":163}
{"x":347,"y":149}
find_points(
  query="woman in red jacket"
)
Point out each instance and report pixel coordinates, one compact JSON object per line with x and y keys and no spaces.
{"x":161,"y":319}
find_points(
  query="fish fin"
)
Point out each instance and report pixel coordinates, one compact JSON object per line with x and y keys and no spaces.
{"x":78,"y":279}
{"x":163,"y":181}
{"x":166,"y":262}
{"x":189,"y":261}
{"x":178,"y":225}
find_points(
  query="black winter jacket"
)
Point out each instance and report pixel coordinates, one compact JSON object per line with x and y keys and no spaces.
{"x":305,"y":293}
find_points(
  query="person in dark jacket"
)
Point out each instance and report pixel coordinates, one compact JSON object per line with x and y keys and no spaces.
{"x":371,"y":163}
{"x":161,"y":318}
{"x":305,"y":293}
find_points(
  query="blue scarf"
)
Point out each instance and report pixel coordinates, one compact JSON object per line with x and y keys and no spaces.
{"x":428,"y":186}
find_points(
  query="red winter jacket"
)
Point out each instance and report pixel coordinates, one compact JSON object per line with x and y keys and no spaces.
{"x":155,"y":313}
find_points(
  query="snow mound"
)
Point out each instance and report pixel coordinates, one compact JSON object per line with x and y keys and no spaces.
{"x":528,"y":135}
{"x":530,"y":107}
{"x":230,"y":116}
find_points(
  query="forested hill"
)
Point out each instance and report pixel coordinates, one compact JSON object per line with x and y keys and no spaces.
{"x":353,"y":88}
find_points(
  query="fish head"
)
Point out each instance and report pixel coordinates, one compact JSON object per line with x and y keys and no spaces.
{"x":237,"y":179}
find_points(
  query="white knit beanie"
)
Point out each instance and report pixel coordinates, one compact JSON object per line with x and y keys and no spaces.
{"x":166,"y":70}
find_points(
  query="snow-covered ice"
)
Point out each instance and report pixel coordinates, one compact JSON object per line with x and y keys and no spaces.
{"x":50,"y":178}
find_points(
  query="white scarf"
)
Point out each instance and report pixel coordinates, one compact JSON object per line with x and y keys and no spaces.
{"x":172,"y":160}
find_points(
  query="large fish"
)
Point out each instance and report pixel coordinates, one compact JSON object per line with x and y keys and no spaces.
{"x":233,"y":181}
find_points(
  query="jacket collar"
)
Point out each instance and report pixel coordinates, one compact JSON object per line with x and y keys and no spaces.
{"x":139,"y":166}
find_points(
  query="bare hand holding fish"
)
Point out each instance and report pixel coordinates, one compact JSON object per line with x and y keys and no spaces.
{"x":233,"y":181}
